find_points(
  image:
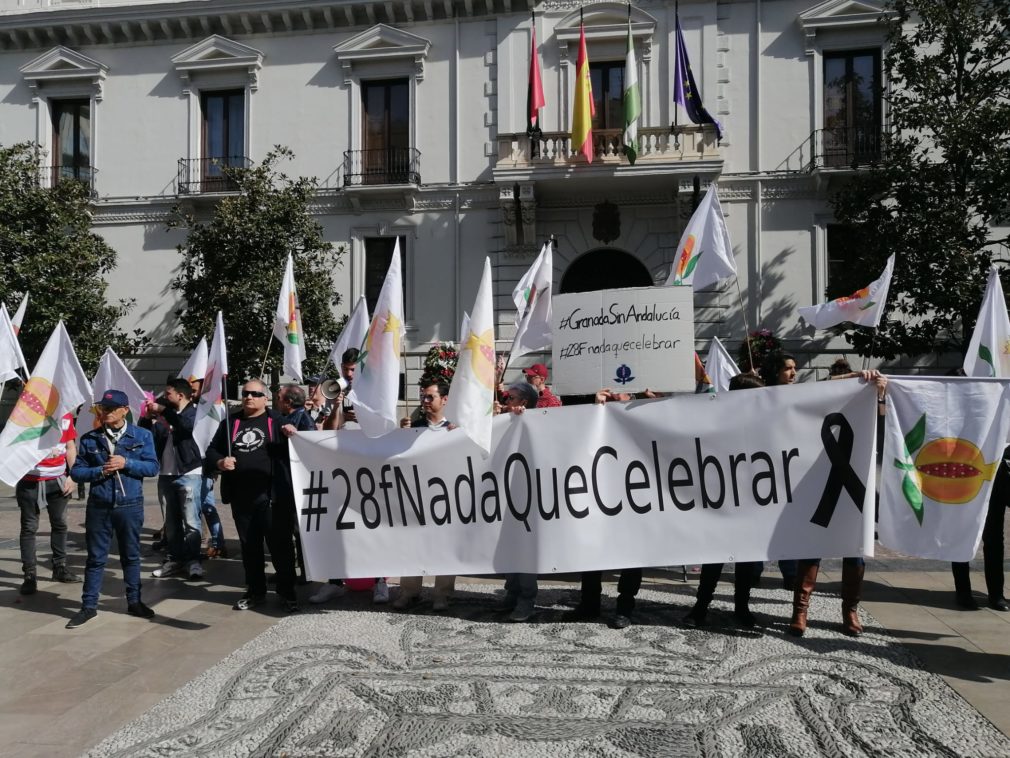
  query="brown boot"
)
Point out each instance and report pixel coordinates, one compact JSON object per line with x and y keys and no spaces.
{"x":806,"y":580}
{"x":852,"y":587}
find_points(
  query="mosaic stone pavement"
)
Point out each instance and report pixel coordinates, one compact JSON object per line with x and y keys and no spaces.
{"x":353,"y":681}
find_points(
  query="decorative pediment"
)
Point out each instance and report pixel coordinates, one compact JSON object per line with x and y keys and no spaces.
{"x":606,"y":22}
{"x":219,"y":54}
{"x":65,"y":66}
{"x":383,"y":43}
{"x":840,"y":14}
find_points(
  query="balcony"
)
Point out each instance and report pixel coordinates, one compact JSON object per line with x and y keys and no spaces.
{"x":655,"y":146}
{"x":394,"y":165}
{"x":839,"y":148}
{"x":50,"y":176}
{"x":201,"y":175}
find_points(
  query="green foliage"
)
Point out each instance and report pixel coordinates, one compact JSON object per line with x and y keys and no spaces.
{"x":48,"y":249}
{"x":941,"y":185}
{"x":235,"y":262}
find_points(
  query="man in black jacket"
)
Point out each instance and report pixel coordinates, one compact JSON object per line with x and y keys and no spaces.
{"x":250,"y":450}
{"x":181,"y":480}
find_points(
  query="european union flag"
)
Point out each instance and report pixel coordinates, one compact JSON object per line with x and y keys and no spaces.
{"x":685,"y":91}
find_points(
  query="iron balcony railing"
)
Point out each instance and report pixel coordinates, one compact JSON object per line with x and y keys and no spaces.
{"x":197,"y":175}
{"x":838,"y":147}
{"x":53,"y":175}
{"x":391,"y":165}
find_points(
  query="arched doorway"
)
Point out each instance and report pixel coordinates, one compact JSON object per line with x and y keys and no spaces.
{"x":605,"y":268}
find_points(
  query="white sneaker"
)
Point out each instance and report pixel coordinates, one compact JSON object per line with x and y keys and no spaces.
{"x":195,"y":571}
{"x":328,"y":592}
{"x":380,"y":593}
{"x":168,"y":568}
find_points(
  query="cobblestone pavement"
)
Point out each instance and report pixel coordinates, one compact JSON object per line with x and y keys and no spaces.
{"x":927,"y":679}
{"x":361,"y":682}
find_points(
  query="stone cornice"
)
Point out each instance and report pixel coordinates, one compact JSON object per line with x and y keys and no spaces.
{"x":149,"y":23}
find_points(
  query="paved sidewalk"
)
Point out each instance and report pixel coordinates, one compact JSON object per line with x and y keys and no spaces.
{"x":66,"y":690}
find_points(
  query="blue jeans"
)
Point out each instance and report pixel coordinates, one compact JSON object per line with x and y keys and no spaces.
{"x":210,"y":513}
{"x":100,"y":522}
{"x":182,"y":515}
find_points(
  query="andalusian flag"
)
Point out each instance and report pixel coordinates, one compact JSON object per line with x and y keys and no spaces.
{"x":632,"y":99}
{"x":863,"y":307}
{"x":471,"y":399}
{"x":355,"y":332}
{"x":989,"y":350}
{"x":705,"y":253}
{"x":376,"y":385}
{"x":56,"y":387}
{"x":535,"y":91}
{"x":288,"y":324}
{"x":210,"y":408}
{"x":585,"y":109}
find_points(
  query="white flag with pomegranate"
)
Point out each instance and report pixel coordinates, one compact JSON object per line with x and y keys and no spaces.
{"x":943,"y":446}
{"x":471,"y":397}
{"x":196,"y":366}
{"x":864,"y":307}
{"x":355,"y":331}
{"x":705,"y":253}
{"x":210,"y":408}
{"x":534,"y":331}
{"x":113,"y":374}
{"x":288,"y":324}
{"x":989,"y":350}
{"x":720,"y":366}
{"x":56,"y":388}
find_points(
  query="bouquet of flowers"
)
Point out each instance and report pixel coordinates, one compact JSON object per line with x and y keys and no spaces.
{"x":440,"y":362}
{"x":762,"y":343}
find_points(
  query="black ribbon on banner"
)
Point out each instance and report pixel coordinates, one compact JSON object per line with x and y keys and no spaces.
{"x":841,"y":477}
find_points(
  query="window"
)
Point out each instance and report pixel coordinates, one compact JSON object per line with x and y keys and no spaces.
{"x":71,"y":140}
{"x":842,"y":246}
{"x":852,"y":111}
{"x":378,"y":254}
{"x":223,"y":136}
{"x":386,"y":155}
{"x":607,"y":79}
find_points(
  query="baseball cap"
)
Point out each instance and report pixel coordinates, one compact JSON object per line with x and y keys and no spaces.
{"x":537,"y":369}
{"x":114,"y":399}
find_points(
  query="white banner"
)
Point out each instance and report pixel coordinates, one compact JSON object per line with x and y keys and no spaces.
{"x":629,"y":340}
{"x":780,"y":472}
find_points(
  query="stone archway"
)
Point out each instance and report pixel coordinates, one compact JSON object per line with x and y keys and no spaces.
{"x":605,"y":268}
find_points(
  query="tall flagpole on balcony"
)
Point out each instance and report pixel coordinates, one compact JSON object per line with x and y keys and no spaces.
{"x":674,"y":128}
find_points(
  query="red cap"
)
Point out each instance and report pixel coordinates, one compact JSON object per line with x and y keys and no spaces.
{"x":537,"y":369}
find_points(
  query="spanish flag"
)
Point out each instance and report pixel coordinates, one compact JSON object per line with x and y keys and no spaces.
{"x":582,"y":117}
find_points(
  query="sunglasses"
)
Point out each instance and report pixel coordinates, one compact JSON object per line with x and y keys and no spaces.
{"x":253,"y":393}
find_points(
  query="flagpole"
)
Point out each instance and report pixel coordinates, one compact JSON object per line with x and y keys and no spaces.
{"x":675,"y":127}
{"x":263,"y":366}
{"x":746,"y":326}
{"x":227,"y":414}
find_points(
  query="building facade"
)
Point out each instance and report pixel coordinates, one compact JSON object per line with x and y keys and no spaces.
{"x":412,"y":113}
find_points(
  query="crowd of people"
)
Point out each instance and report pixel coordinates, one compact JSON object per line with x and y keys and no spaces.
{"x":246,"y":465}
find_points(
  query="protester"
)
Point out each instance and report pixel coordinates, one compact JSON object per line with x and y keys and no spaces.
{"x":520,"y":589}
{"x":434,"y":395}
{"x":114,"y":458}
{"x":318,"y":407}
{"x":48,"y":486}
{"x":537,"y":376}
{"x":249,"y":449}
{"x":744,"y":571}
{"x":630,"y":580}
{"x":853,"y":568}
{"x":294,"y":418}
{"x":992,"y":546}
{"x":181,"y":480}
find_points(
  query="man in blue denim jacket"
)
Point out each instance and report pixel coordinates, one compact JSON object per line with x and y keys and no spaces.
{"x":115,"y":458}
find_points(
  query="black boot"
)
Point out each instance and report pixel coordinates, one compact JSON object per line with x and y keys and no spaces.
{"x":710,"y":573}
{"x":743,"y":580}
{"x":962,"y":586}
{"x":30,"y":585}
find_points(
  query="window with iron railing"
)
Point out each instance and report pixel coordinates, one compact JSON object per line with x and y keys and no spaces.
{"x":71,"y":121}
{"x":852,"y":108}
